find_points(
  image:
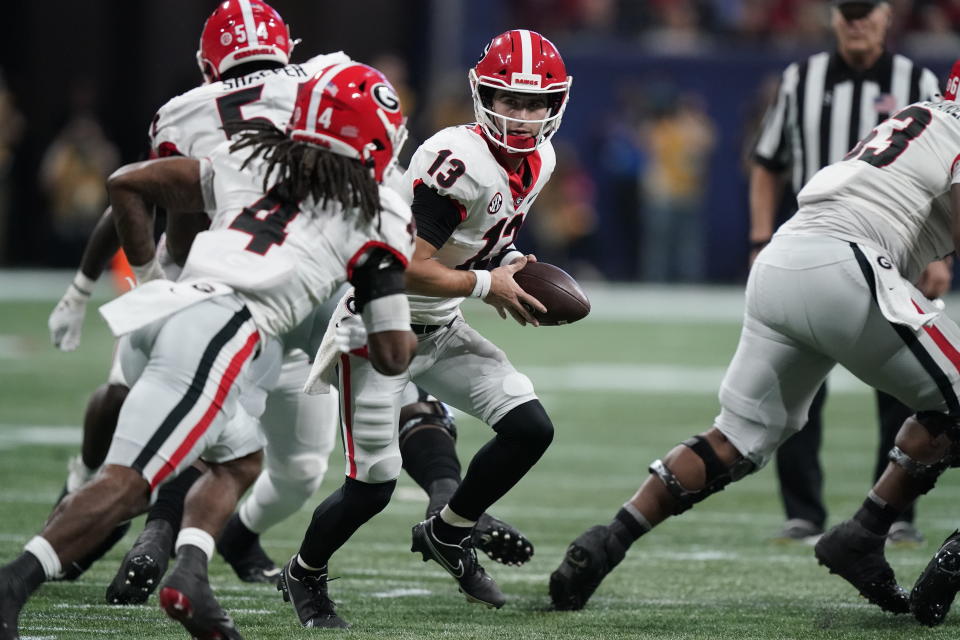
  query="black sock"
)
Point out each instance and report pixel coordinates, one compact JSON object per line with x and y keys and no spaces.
{"x":169,"y":504}
{"x":342,"y":513}
{"x":875,"y":515}
{"x":299,"y":572}
{"x":27,"y":567}
{"x":628,"y":525}
{"x":236,"y":538}
{"x":449,"y":533}
{"x":439,"y":493}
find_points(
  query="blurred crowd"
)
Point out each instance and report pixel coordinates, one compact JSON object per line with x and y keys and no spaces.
{"x":697,"y":26}
{"x":628,"y":201}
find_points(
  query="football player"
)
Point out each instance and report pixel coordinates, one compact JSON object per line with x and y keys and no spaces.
{"x":471,"y":188}
{"x":312,"y":214}
{"x":248,"y":78}
{"x":833,"y":286}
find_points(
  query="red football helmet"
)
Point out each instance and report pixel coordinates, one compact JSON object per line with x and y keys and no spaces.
{"x":519,"y":61}
{"x":241,"y":31}
{"x":352,"y":110}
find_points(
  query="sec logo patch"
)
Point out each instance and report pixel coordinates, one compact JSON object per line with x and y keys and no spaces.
{"x":495,"y":203}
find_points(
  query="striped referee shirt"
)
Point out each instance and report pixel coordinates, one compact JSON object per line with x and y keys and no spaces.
{"x":824,"y":107}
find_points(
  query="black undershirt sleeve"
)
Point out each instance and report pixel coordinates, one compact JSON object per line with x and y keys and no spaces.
{"x":436,"y":215}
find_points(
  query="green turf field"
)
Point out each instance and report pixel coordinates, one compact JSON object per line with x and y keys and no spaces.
{"x":622,"y":387}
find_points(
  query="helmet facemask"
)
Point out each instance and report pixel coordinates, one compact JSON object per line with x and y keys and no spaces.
{"x":495,"y":125}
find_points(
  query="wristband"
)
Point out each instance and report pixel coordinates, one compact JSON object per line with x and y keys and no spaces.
{"x":389,"y":313}
{"x":482,"y":286}
{"x":83,"y":284}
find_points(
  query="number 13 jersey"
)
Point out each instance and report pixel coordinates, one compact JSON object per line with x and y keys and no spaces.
{"x":892,"y":190}
{"x":492,"y":200}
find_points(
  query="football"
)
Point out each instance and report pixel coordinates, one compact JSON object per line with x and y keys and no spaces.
{"x":557,"y":290}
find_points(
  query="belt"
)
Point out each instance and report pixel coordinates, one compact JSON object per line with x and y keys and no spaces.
{"x":424,"y":329}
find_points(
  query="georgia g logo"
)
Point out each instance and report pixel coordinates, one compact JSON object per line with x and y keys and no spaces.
{"x":384,"y":95}
{"x":884,"y":262}
{"x":495,"y":203}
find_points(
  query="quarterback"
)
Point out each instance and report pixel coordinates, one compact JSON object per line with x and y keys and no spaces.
{"x":471,"y":188}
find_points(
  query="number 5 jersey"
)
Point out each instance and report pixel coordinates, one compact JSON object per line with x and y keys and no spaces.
{"x":892,"y":190}
{"x":491,"y":202}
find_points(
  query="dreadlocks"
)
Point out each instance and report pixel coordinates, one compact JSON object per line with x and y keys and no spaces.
{"x":305,"y":169}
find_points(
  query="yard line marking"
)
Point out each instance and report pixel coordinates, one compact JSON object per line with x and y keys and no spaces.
{"x":401,"y":593}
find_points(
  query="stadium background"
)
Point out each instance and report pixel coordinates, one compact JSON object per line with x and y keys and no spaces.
{"x":634,"y":63}
{"x":637,"y":376}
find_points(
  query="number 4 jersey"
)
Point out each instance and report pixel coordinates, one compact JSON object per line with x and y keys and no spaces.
{"x":892,"y":189}
{"x":284,"y":259}
{"x":492,"y":202}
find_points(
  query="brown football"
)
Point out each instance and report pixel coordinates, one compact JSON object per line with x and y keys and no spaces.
{"x":559,"y":293}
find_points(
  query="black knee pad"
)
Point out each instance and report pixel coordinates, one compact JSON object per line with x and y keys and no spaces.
{"x":528,"y":422}
{"x":718,"y":475}
{"x":425,"y":414}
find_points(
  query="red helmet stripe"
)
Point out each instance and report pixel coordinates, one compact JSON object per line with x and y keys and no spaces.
{"x":247,"y":11}
{"x":526,"y":51}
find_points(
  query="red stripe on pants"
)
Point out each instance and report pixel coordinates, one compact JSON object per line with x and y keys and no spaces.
{"x":233,"y":370}
{"x":347,"y":416}
{"x":941,"y":341}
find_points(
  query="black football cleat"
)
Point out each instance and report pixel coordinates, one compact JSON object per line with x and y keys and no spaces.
{"x":187,"y":598}
{"x":241,"y":548}
{"x":501,"y":541}
{"x":13,"y":595}
{"x":77,"y":568}
{"x":586,"y":563}
{"x":143,"y":566}
{"x":460,"y":561}
{"x":310,"y":599}
{"x":856,"y":555}
{"x":936,"y":587}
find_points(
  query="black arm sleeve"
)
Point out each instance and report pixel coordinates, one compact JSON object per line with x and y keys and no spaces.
{"x":436,"y":215}
{"x":377,"y":274}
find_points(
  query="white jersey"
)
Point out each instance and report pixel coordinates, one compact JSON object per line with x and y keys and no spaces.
{"x":192,"y":124}
{"x":892,"y":191}
{"x":281,"y":259}
{"x":493,"y":203}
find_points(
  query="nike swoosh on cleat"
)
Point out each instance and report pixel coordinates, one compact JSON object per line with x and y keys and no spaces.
{"x":456,"y":572}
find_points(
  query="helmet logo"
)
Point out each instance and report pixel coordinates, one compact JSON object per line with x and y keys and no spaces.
{"x":225,"y":38}
{"x":525,"y":80}
{"x":495,"y":203}
{"x":384,"y":96}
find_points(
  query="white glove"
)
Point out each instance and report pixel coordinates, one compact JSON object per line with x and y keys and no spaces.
{"x":147,"y":272}
{"x":349,"y":336}
{"x":66,"y":321}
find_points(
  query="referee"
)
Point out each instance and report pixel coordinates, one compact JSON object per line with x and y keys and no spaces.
{"x":825,"y":104}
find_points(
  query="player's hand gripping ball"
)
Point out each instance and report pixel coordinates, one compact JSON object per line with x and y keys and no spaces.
{"x":557,"y":290}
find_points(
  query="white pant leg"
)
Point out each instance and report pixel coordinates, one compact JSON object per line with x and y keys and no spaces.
{"x":471,"y":373}
{"x":369,"y":419}
{"x":196,"y":362}
{"x":300,"y":431}
{"x":809,"y":305}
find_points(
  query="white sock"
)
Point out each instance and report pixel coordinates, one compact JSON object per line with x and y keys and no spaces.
{"x":305,"y":565}
{"x":49,"y":560}
{"x":197,"y":538}
{"x":451,"y":517}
